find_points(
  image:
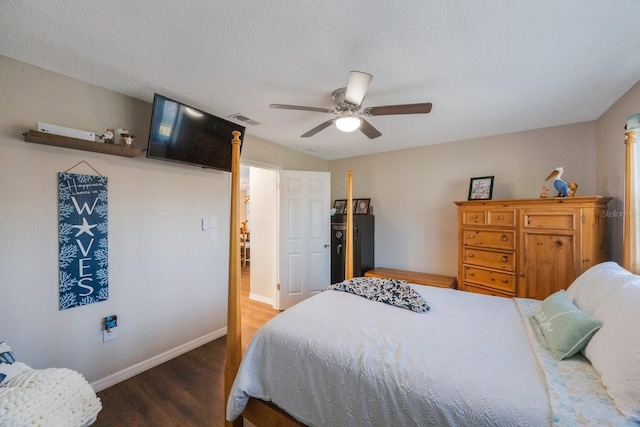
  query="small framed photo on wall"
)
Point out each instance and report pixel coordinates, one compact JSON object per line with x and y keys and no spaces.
{"x":362,"y":206}
{"x":481,"y":188}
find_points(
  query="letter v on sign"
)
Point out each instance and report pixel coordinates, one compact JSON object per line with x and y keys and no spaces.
{"x":82,"y":249}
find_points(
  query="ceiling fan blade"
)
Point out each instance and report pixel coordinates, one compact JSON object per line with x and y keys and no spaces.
{"x":299,"y":107}
{"x":387,"y":110}
{"x":357,"y":87}
{"x":368,"y":129}
{"x":318,"y":128}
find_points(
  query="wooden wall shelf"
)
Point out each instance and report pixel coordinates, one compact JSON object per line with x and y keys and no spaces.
{"x":80,"y":144}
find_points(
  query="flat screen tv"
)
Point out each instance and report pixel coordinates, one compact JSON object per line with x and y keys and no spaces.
{"x":180,"y":133}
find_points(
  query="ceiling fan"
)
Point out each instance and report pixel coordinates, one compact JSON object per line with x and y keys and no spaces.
{"x":347,"y":103}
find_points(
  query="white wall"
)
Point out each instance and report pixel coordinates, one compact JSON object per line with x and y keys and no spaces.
{"x":167,"y":278}
{"x":412,"y":191}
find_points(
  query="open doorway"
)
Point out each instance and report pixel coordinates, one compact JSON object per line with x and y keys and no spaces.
{"x":289,"y":230}
{"x":258,"y":198}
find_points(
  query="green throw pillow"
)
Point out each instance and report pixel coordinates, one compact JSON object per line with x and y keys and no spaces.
{"x":566,"y":328}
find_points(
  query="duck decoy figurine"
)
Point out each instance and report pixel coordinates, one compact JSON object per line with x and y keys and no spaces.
{"x":561,"y":187}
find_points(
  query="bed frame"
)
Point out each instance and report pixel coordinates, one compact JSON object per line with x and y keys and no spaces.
{"x":257,"y":411}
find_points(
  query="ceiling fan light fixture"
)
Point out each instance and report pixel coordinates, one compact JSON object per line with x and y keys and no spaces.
{"x":348,"y":123}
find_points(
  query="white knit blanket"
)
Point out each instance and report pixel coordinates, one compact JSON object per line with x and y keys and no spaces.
{"x":48,"y":397}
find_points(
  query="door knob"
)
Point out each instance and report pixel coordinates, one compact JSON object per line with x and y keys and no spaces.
{"x":326,"y":245}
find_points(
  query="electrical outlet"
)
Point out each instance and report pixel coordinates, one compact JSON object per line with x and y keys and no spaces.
{"x":109,"y":335}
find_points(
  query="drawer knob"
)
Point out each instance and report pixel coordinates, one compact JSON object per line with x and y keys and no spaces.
{"x":505,"y":258}
{"x":505,"y":281}
{"x":471,"y":255}
{"x":471,"y":236}
{"x":505,"y":238}
{"x":474,"y":216}
{"x":472,"y":274}
{"x":501,"y":217}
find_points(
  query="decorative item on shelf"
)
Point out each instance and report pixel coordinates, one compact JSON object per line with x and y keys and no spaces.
{"x":481,"y":188}
{"x":573,"y":188}
{"x":107,"y":136}
{"x":127,"y":140}
{"x":544,"y":193}
{"x":117,"y":139}
{"x":558,"y":183}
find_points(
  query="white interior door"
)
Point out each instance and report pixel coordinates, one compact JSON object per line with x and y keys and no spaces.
{"x":305,"y":263}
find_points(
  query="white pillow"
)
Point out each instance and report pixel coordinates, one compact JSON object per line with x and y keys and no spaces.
{"x":611,"y":294}
{"x":614,"y":351}
{"x":596,"y":284}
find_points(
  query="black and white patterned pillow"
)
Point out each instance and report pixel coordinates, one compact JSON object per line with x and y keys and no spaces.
{"x":9,"y":368}
{"x":389,"y":291}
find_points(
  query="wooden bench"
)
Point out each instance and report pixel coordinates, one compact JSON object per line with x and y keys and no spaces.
{"x":414,"y":277}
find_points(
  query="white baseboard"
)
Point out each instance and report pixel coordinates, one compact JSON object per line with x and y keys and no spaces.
{"x":262,"y":299}
{"x":138,"y":368}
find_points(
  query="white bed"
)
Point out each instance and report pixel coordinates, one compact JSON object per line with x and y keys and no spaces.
{"x":340,"y":359}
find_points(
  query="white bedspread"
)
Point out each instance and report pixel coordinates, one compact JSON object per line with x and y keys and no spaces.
{"x":467,"y":361}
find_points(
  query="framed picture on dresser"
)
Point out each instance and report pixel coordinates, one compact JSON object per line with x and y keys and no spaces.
{"x":340,"y":205}
{"x":362,"y":206}
{"x":481,"y":188}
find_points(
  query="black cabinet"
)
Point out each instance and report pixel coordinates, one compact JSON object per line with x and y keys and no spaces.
{"x":363,"y":255}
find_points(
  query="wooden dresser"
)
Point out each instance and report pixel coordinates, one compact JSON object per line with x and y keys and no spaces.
{"x":529,"y":247}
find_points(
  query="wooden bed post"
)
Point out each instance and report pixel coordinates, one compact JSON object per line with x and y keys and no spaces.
{"x":234,"y":326}
{"x":348,"y":252}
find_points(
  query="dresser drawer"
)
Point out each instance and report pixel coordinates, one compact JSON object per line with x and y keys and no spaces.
{"x":502,"y":217}
{"x":500,"y":239}
{"x":470,"y":287}
{"x":550,"y":219}
{"x":493,"y":279}
{"x":474,"y":217}
{"x":505,"y":261}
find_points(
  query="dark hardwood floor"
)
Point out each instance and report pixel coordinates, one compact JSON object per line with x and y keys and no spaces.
{"x":185,"y":391}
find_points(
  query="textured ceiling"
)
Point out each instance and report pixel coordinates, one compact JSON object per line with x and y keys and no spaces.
{"x":489,"y":67}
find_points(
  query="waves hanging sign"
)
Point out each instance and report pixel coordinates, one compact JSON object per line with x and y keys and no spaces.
{"x":84,"y":253}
